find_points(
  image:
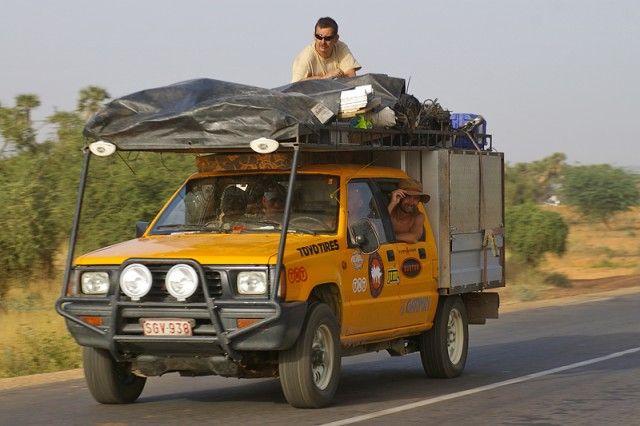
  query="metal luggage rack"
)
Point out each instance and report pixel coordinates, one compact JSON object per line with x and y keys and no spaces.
{"x":341,"y":137}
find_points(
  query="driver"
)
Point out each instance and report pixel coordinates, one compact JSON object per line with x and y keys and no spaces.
{"x":273,"y":204}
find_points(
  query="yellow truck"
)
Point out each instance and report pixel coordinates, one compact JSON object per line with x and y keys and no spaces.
{"x":278,"y":257}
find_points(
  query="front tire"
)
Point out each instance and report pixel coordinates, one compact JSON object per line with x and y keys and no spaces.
{"x":310,"y":370}
{"x":110,"y":382}
{"x":443,"y":348}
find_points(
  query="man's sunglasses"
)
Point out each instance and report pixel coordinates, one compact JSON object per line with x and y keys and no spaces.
{"x":325,"y":38}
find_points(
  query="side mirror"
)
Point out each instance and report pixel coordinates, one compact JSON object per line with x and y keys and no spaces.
{"x":140,"y":228}
{"x":364,"y":236}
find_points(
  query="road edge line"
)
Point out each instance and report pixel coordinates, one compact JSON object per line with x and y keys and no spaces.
{"x":430,"y":401}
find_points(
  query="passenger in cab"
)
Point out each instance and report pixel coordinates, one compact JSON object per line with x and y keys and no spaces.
{"x":273,"y":203}
{"x":407,"y":221}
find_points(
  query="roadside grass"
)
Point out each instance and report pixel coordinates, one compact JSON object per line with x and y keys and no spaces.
{"x":610,"y":264}
{"x":523,"y":282}
{"x":39,"y":350}
{"x":33,"y":337}
{"x":595,"y":250}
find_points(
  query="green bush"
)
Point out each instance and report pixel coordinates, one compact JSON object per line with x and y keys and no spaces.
{"x":532,"y":232}
{"x":558,"y":280}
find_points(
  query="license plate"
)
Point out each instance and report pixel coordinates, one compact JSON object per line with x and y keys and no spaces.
{"x":167,"y":327}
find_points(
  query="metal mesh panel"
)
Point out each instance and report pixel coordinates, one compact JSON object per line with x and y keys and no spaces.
{"x":465,"y":193}
{"x":492,"y":191}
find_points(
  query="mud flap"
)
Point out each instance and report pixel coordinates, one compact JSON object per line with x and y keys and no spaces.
{"x":481,"y":306}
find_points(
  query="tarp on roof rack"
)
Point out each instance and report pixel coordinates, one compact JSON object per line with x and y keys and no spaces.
{"x":207,"y":113}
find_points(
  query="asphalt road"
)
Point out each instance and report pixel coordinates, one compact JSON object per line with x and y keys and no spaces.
{"x":572,"y":364}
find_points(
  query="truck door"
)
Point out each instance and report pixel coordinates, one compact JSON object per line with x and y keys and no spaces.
{"x":373,"y":302}
{"x":409,"y":268}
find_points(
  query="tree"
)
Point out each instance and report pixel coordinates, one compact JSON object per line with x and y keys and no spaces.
{"x":532,"y":232}
{"x":600,"y":191}
{"x":29,"y":238}
{"x":39,"y":194}
{"x":535,"y":181}
{"x":16,"y":126}
{"x":90,"y":101}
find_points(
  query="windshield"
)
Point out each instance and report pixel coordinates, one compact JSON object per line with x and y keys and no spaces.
{"x":252,"y":203}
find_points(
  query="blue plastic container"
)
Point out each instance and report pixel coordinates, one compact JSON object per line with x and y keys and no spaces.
{"x":458,"y":119}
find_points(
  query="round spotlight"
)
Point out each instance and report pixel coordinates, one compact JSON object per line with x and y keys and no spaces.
{"x":135,"y":281}
{"x":102,"y":148}
{"x":264,"y":145}
{"x":181,"y":281}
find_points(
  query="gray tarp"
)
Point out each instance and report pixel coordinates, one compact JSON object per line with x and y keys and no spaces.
{"x":206,"y":113}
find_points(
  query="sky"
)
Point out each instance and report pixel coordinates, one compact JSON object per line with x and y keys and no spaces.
{"x":547,"y":75}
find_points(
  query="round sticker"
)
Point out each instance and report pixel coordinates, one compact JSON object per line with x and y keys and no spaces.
{"x":357,"y":260}
{"x":411,"y":267}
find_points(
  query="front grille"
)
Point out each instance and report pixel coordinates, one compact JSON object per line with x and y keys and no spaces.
{"x":159,"y":293}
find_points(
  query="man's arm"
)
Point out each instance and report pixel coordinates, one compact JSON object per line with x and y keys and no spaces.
{"x":348,"y":62}
{"x":298,"y":71}
{"x":396,"y":196}
{"x":349,"y":73}
{"x":331,"y":74}
{"x":301,"y":67}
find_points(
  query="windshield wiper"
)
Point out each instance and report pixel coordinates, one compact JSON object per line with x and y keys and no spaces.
{"x":274,"y":223}
{"x":297,"y":229}
{"x":181,"y":227}
{"x":278,"y":226}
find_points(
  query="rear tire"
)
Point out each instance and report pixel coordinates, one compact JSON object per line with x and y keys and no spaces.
{"x":443,"y":348}
{"x":110,"y":382}
{"x":310,"y":370}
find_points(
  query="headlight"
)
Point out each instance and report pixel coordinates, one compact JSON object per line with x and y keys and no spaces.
{"x":181,"y":281}
{"x":135,"y":281}
{"x":254,"y":282}
{"x":95,"y":282}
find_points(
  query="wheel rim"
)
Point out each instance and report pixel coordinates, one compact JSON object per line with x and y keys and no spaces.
{"x":455,"y":336}
{"x":322,"y":357}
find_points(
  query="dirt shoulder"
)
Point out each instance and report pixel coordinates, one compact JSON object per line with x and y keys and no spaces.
{"x":545,"y":295}
{"x":582,"y":291}
{"x":40,"y":379}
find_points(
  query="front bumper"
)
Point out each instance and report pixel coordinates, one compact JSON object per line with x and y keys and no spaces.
{"x":275,"y":327}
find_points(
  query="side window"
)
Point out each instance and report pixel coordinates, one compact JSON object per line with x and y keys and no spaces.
{"x":383,"y":189}
{"x":361,"y":204}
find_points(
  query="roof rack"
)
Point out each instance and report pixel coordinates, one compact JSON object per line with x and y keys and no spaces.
{"x":339,"y":137}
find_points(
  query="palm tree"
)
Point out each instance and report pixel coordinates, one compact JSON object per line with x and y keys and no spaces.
{"x":90,"y":101}
{"x":16,"y":127}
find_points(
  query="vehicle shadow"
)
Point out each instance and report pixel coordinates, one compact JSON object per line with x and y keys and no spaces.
{"x":379,"y":377}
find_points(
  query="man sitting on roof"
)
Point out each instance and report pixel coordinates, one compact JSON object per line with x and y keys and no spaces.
{"x":326,"y":57}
